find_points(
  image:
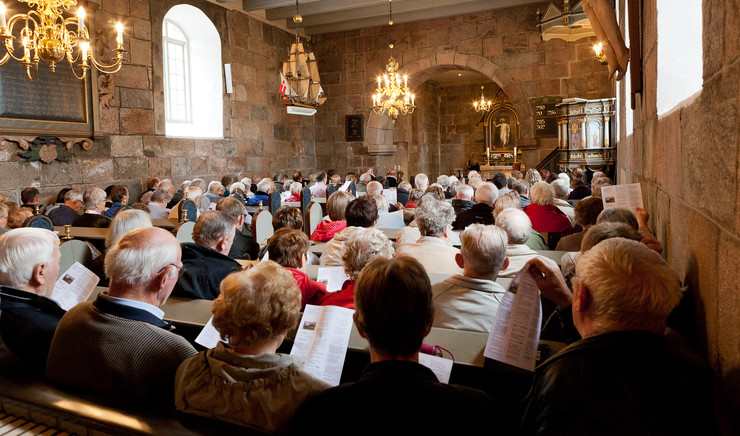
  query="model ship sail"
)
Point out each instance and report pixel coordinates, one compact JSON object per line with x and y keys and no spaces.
{"x":300,"y":85}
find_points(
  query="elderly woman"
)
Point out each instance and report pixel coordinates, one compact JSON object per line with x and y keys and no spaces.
{"x":545,"y":216}
{"x":244,"y":380}
{"x":124,"y":222}
{"x":433,"y":250}
{"x":532,"y":176}
{"x":335,"y":206}
{"x":289,"y":248}
{"x":295,"y":192}
{"x":364,"y":245}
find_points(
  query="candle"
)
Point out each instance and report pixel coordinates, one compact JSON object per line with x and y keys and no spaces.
{"x":514,"y":153}
{"x":80,"y":21}
{"x":3,"y":23}
{"x":405,"y":80}
{"x":488,"y":152}
{"x":412,"y":99}
{"x":379,"y":79}
{"x":84,"y":47}
{"x":119,"y":37}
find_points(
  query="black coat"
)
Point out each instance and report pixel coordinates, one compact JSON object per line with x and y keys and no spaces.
{"x":480,"y":213}
{"x":92,"y":220}
{"x":244,"y":247}
{"x":202,"y":272}
{"x":63,"y":215}
{"x":402,"y":196}
{"x":27,"y":324}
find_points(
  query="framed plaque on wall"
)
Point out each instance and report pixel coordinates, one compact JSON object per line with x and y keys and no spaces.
{"x":355,"y":130}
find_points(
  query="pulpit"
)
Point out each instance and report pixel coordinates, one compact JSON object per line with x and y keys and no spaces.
{"x":586,"y":135}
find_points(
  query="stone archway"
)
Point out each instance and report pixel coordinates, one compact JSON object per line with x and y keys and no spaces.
{"x":379,"y":130}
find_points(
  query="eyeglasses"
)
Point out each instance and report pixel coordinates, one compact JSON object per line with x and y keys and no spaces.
{"x":179,"y":267}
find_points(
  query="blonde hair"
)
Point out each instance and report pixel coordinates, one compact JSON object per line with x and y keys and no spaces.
{"x":257,"y":304}
{"x":510,"y":200}
{"x":336,"y":205}
{"x":364,"y":245}
{"x":542,"y":193}
{"x":532,"y":176}
{"x":631,"y":287}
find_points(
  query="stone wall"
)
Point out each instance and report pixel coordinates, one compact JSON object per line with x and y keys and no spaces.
{"x":259,"y":137}
{"x":687,"y":162}
{"x":503,"y":45}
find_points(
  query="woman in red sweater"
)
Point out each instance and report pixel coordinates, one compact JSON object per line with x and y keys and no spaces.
{"x":364,"y":245}
{"x":545,"y":216}
{"x":335,"y":207}
{"x":289,"y":248}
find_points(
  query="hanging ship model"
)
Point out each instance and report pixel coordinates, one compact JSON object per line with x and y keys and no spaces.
{"x":300,"y":86}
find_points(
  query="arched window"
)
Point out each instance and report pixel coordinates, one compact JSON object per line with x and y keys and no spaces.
{"x":193,"y":84}
{"x":680,"y":56}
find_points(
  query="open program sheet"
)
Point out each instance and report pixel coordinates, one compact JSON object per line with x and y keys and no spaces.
{"x":391,"y":195}
{"x":74,"y":286}
{"x":516,"y":328}
{"x":345,"y":187}
{"x":440,"y":366}
{"x":321,"y":341}
{"x":625,"y":196}
{"x":209,"y":337}
{"x":332,"y":276}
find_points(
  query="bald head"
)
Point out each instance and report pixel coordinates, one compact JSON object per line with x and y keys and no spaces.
{"x":140,"y":264}
{"x":487,"y":193}
{"x":516,"y":224}
{"x":374,"y":188}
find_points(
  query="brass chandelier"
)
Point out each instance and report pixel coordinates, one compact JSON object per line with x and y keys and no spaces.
{"x":483,"y":105}
{"x":393,"y":95}
{"x":46,"y":35}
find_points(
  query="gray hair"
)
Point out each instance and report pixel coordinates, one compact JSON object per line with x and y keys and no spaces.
{"x":237,"y":185}
{"x":215,"y":184}
{"x":247,"y":182}
{"x":406,"y":185}
{"x":200,"y":183}
{"x":124,"y":222}
{"x":136,"y":264}
{"x":433,"y":217}
{"x":443,"y":181}
{"x":532,"y":176}
{"x":161,"y":196}
{"x":483,"y":249}
{"x":516,"y":224}
{"x":211,"y":227}
{"x":185,"y":185}
{"x":565,"y":177}
{"x":561,"y":187}
{"x":421,"y":181}
{"x":167,"y":185}
{"x":295,"y":187}
{"x":596,"y":185}
{"x":93,"y":197}
{"x":542,"y":193}
{"x":264,"y":185}
{"x":365,"y":177}
{"x":193,"y":193}
{"x":381,"y":202}
{"x":21,"y":250}
{"x":374,"y":188}
{"x":487,"y":193}
{"x":364,"y":245}
{"x":466,"y":191}
{"x":453,"y":186}
{"x":73,"y":195}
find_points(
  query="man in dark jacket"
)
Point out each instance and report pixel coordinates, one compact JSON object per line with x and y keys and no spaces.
{"x":244,"y":247}
{"x":69,"y":211}
{"x":206,"y":262}
{"x":29,"y":265}
{"x":627,"y":375}
{"x":463,"y":199}
{"x":402,"y":193}
{"x":482,"y":212}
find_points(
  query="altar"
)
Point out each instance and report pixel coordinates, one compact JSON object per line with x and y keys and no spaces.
{"x":488,"y":171}
{"x":500,"y":161}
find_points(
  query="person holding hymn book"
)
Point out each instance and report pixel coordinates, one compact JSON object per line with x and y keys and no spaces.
{"x":245,"y":381}
{"x":362,"y":246}
{"x":395,"y":394}
{"x":289,"y":248}
{"x":29,"y":265}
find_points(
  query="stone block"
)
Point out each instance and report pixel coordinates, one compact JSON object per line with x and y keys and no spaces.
{"x":548,"y":87}
{"x":471,"y":46}
{"x":667,"y":145}
{"x":118,"y":7}
{"x":582,"y":68}
{"x":97,"y":170}
{"x":180,"y":167}
{"x":731,"y":35}
{"x":439,"y":38}
{"x":493,"y":47}
{"x":560,"y":55}
{"x":204,"y":147}
{"x":142,"y":29}
{"x":551,"y":71}
{"x":131,"y":168}
{"x":126,"y":146}
{"x":160,"y":146}
{"x":137,"y":121}
{"x":109,"y":121}
{"x":141,"y":52}
{"x":61,"y":173}
{"x":519,"y":60}
{"x":160,"y":167}
{"x":516,"y":43}
{"x":728,"y":340}
{"x":133,"y":76}
{"x":713,"y":33}
{"x":136,"y":98}
{"x":224,"y":147}
{"x":421,"y":39}
{"x":139,"y":8}
{"x":461,"y":59}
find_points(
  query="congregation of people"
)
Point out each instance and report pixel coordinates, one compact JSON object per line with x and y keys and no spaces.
{"x":626,"y":370}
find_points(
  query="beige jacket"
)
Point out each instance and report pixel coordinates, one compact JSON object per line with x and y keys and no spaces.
{"x":518,"y":256}
{"x":261,"y":392}
{"x":465,"y":303}
{"x":333,"y":249}
{"x":433,"y":253}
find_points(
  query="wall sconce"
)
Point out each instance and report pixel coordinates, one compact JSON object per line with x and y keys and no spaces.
{"x":599,"y":52}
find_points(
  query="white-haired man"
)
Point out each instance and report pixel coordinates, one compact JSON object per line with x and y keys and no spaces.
{"x":192,"y":193}
{"x":628,"y":375}
{"x":215,"y":191}
{"x":94,"y":199}
{"x":469,"y":301}
{"x":518,"y":229}
{"x":119,"y":344}
{"x":444,"y":181}
{"x":264,"y":187}
{"x":561,"y":188}
{"x":463,"y":199}
{"x":482,"y":211}
{"x":365,"y":178}
{"x":433,"y":250}
{"x":29,"y":265}
{"x":421,"y":182}
{"x":69,"y":211}
{"x":402,"y":193}
{"x":206,"y":260}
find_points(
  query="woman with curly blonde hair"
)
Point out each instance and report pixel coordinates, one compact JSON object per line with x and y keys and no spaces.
{"x":244,"y":380}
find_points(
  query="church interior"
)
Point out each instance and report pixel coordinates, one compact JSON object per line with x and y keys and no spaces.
{"x":200,"y":93}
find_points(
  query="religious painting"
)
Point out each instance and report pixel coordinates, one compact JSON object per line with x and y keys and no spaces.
{"x":503,"y":126}
{"x":594,"y":134}
{"x":575,"y":135}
